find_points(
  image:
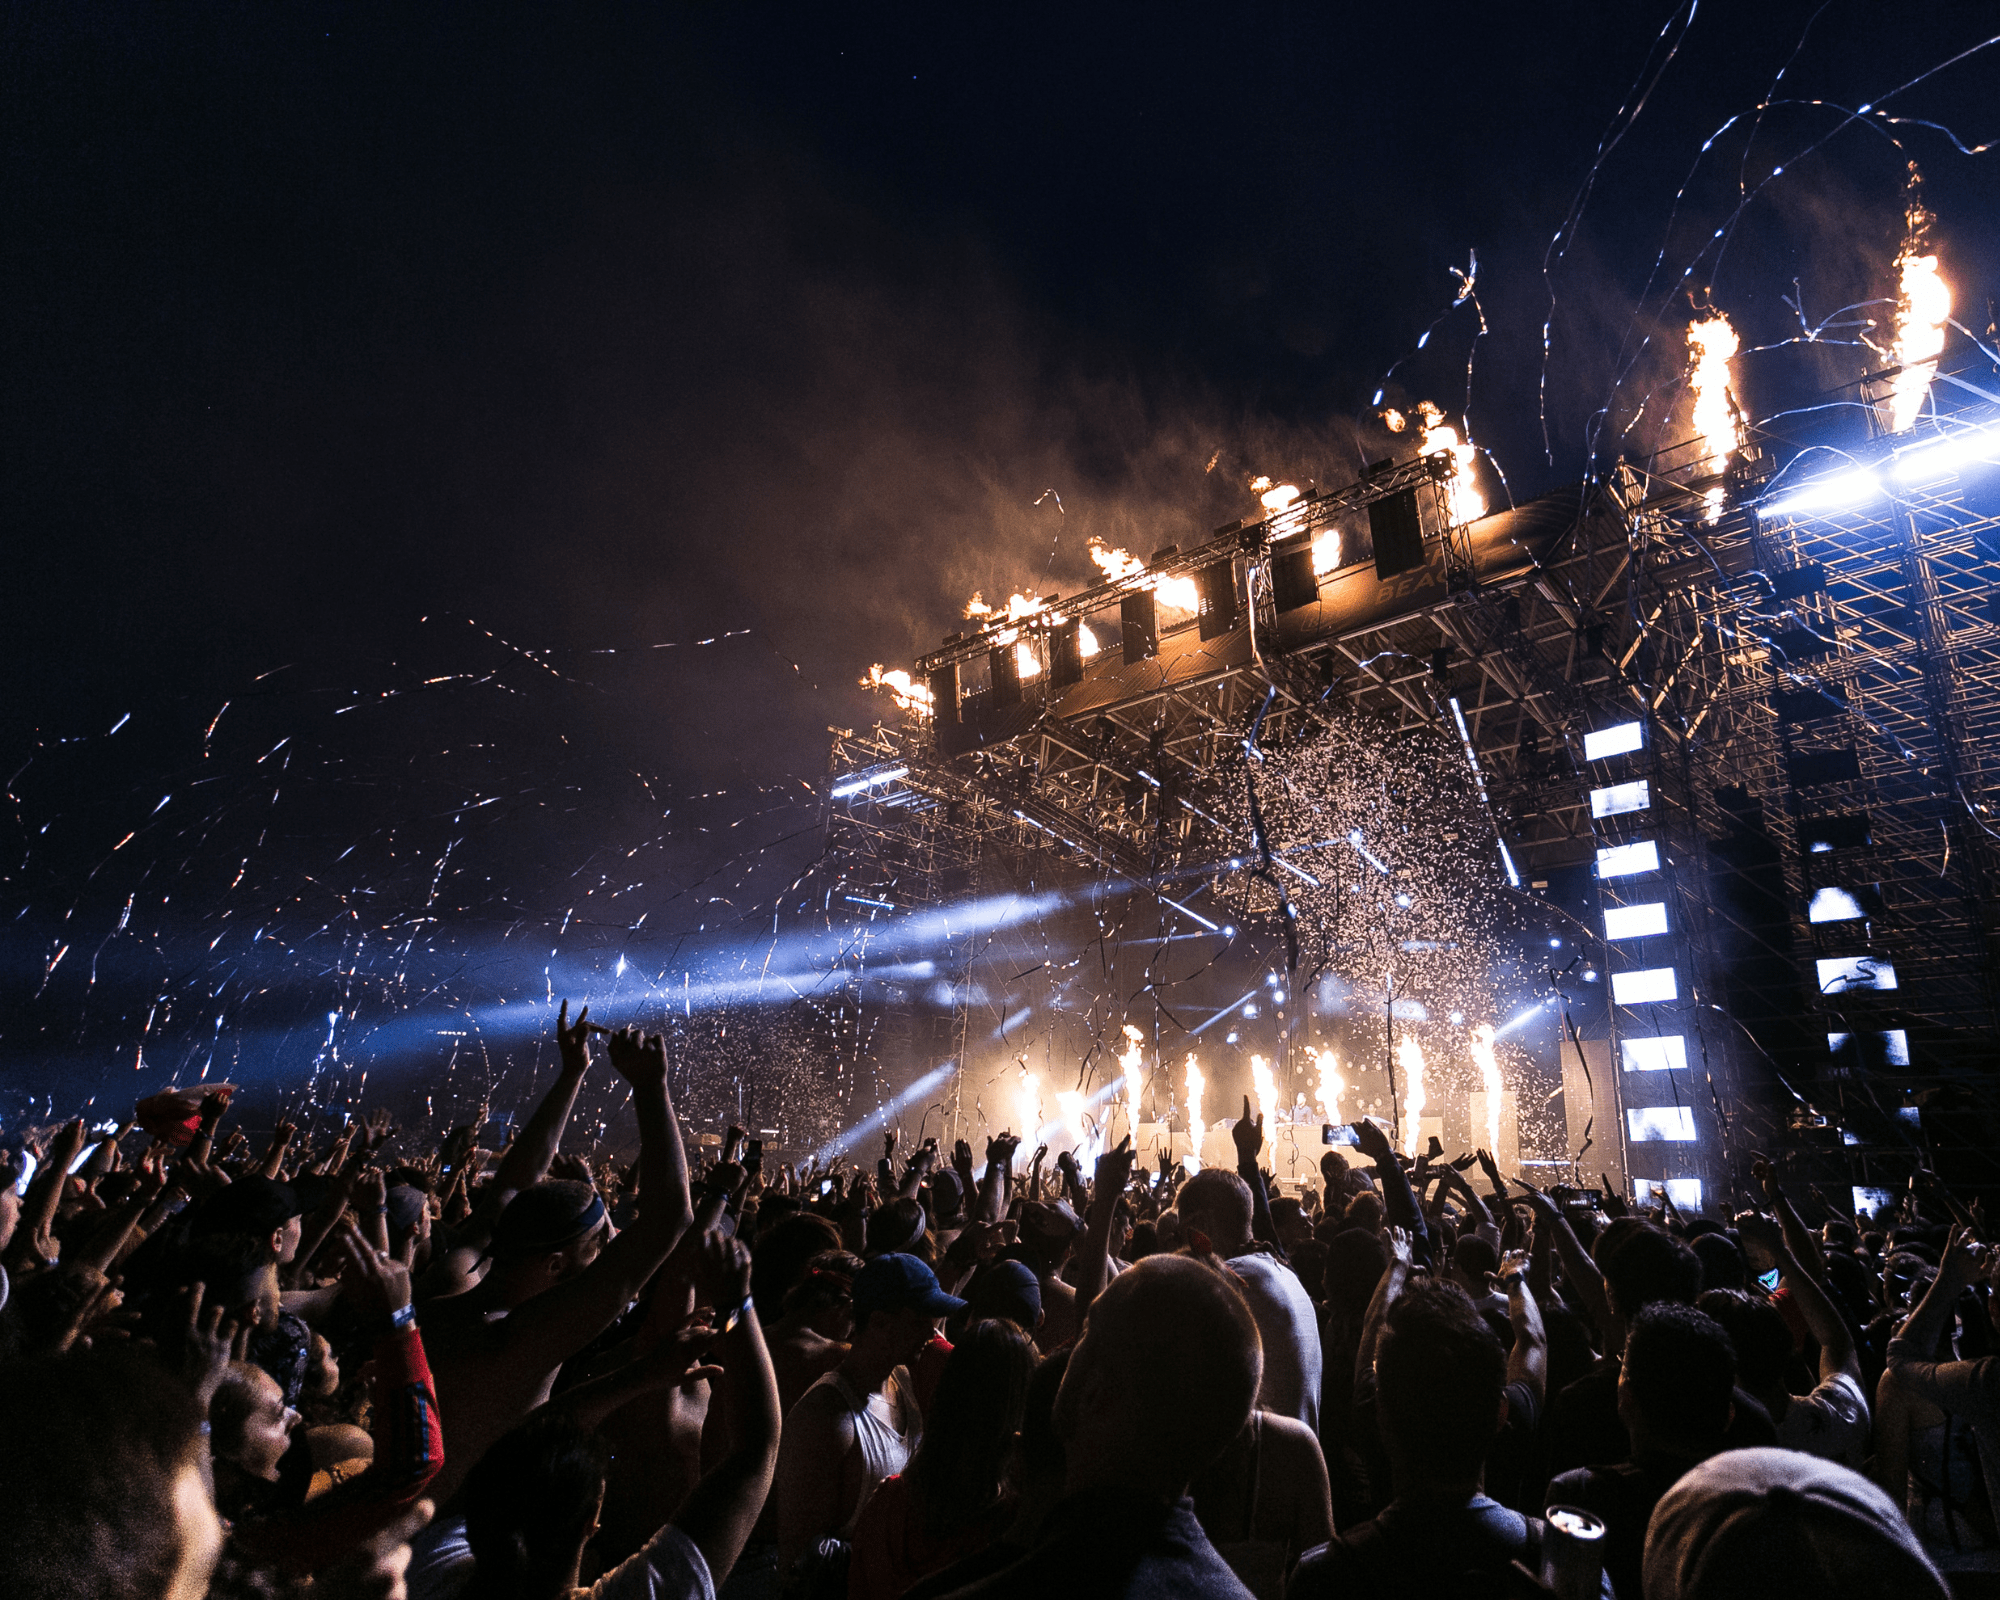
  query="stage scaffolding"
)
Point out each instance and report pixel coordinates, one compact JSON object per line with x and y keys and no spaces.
{"x":1815,"y":701}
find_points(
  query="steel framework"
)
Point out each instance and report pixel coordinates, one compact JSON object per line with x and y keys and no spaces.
{"x":1816,"y":703}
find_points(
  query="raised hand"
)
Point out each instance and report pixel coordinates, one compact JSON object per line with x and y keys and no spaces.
{"x":889,"y":1136}
{"x":1491,"y":1168}
{"x":207,"y":1345}
{"x":1372,"y":1141}
{"x":722,"y":1273}
{"x":1114,"y":1171}
{"x":1963,"y":1258}
{"x":961,"y":1161}
{"x":380,"y":1128}
{"x":376,"y":1279}
{"x":1400,"y":1248}
{"x":1247,"y":1135}
{"x":639,"y":1058}
{"x":573,"y":1039}
{"x":1513,"y":1269}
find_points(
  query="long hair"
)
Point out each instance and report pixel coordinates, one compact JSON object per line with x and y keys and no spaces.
{"x":959,"y":1472}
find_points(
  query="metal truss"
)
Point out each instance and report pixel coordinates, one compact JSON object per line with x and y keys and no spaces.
{"x":1846,"y":666}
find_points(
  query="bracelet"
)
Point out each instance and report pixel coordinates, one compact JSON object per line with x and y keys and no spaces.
{"x":402,"y":1317}
{"x":737,"y":1313}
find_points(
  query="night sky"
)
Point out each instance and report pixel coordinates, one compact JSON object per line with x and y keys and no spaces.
{"x":424,"y":385}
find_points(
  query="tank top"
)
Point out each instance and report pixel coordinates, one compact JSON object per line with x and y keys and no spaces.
{"x":884,"y":1451}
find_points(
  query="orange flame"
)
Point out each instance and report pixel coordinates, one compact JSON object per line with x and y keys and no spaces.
{"x":908,"y":694}
{"x":1489,"y":1080}
{"x":1264,"y":1086}
{"x":1440,"y":437}
{"x":1177,"y":593}
{"x":1330,"y":1085}
{"x":1718,"y":422}
{"x":1410,"y":1057}
{"x":1195,"y":1084}
{"x":1923,"y":302}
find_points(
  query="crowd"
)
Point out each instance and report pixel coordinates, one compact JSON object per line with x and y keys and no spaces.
{"x":357,"y":1370}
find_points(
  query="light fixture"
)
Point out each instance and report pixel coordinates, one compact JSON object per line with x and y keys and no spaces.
{"x":1843,"y":491}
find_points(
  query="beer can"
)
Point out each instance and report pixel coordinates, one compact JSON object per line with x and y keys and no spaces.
{"x":1573,"y":1553}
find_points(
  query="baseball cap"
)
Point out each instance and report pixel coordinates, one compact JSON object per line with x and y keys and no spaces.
{"x":1779,"y":1523}
{"x":895,"y":1282}
{"x":406,"y":1206}
{"x":546,"y":1216}
{"x":1008,"y":1289}
{"x":249,"y":1205}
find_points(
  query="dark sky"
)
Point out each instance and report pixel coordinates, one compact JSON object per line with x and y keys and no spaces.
{"x":348,"y":348}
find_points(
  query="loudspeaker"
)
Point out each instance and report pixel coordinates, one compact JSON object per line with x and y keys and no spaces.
{"x":1065,"y":656}
{"x":1293,"y":581}
{"x":1398,"y":532}
{"x":1138,"y":620}
{"x":1216,"y":585}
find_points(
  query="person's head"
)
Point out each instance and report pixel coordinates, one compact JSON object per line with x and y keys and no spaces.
{"x":823,"y":1297}
{"x":1008,"y":1290}
{"x":1782,"y":1525}
{"x":531,"y":1504}
{"x":959,"y":1470}
{"x":1757,"y":1333}
{"x":1722,"y":1263}
{"x":947,"y":1198}
{"x":408,"y":1213}
{"x":780,"y":1259}
{"x":897,"y":1303}
{"x":238,"y":1273}
{"x":102,"y":1492}
{"x":900,"y":1227}
{"x":1333,"y":1168}
{"x":1169,"y":1362}
{"x":1675,"y":1384}
{"x":1288,"y":1217}
{"x":1440,"y":1377}
{"x":1048,"y":1232}
{"x":1364,"y":1213}
{"x":1473,"y":1263}
{"x":251,"y":1426}
{"x":1643,"y":1264}
{"x":257,"y":1206}
{"x":1355,"y":1262}
{"x":549,"y":1232}
{"x":1218,"y":1203}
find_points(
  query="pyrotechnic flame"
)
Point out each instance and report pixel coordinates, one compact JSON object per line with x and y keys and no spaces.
{"x":1195,"y":1084}
{"x":1178,"y":593}
{"x":1017,"y":607}
{"x":1129,"y":1060}
{"x":1086,"y":641}
{"x":1265,"y":1088}
{"x":1274,"y":497}
{"x":1440,"y":436}
{"x":1326,"y":552}
{"x":1025,"y":661}
{"x":1394,"y":420}
{"x":909,"y":695}
{"x":1718,"y":421}
{"x":1028,"y":1099}
{"x":1923,"y":302}
{"x":1070,"y":1109}
{"x":1489,"y":1080}
{"x":1410,"y":1057}
{"x":1330,"y":1086}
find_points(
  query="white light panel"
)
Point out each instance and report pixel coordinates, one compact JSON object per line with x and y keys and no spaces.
{"x":1607,"y":742}
{"x":1644,"y":987}
{"x":1619,"y":798}
{"x":1684,"y":1192}
{"x":1868,"y":1201}
{"x":1623,"y":860}
{"x":1840,"y":974}
{"x":1635,"y":922}
{"x":1660,"y":1124}
{"x":1834,"y":905}
{"x":1645,"y":1053}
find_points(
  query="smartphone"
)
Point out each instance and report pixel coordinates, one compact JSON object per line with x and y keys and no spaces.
{"x":826,"y":1186}
{"x":753,"y":1156}
{"x":1769,"y":1280}
{"x":1340,"y":1133}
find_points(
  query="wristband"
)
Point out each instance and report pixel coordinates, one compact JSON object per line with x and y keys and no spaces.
{"x":402,"y":1317}
{"x":737,"y":1313}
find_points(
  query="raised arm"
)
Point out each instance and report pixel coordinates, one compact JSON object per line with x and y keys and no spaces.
{"x":723,"y":1507}
{"x":1093,"y":1257}
{"x":1528,"y":1361}
{"x":560,"y":1321}
{"x":1248,"y":1137}
{"x":1799,"y":1239}
{"x":1386,"y":1290}
{"x":1916,"y":1341}
{"x":1579,"y":1271}
{"x":1399,"y":1201}
{"x":33,"y":1233}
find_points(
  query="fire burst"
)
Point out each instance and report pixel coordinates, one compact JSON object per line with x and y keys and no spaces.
{"x":1179,"y":593}
{"x":1439,"y":437}
{"x":1129,"y":1060}
{"x":1195,"y":1084}
{"x":1265,"y":1087}
{"x":1028,"y":1102}
{"x":1489,"y":1080}
{"x":1330,"y":1085}
{"x":1718,"y":422}
{"x":1923,"y":303}
{"x":908,"y":694}
{"x":1410,"y":1057}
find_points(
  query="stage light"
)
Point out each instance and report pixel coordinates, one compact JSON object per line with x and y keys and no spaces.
{"x":1946,"y":456}
{"x":1843,"y":491}
{"x":1250,"y":1010}
{"x":1620,"y":798}
{"x":871,"y":780}
{"x":1635,"y":922}
{"x":1644,"y":987}
{"x":1555,"y":944}
{"x":1590,"y":974}
{"x":1615,"y":741}
{"x":1834,"y":905}
{"x":1458,"y":1019}
{"x":1660,"y":1053}
{"x":1660,"y":1124}
{"x":1624,"y":860}
{"x":1278,"y":995}
{"x":1402,"y":900}
{"x":1229,"y":932}
{"x":1230,"y":1038}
